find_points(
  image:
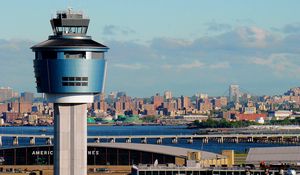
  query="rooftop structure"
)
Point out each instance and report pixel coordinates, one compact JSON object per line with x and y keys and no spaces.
{"x":69,"y":22}
{"x":160,"y":149}
{"x":274,"y":155}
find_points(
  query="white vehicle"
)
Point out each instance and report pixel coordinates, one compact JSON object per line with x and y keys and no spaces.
{"x":2,"y":160}
{"x":291,"y":172}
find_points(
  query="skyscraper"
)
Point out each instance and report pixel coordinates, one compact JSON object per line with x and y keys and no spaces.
{"x":185,"y":102}
{"x":27,"y":96}
{"x":234,"y":93}
{"x":158,"y":100}
{"x":168,"y":95}
{"x":6,"y":93}
{"x":70,"y":69}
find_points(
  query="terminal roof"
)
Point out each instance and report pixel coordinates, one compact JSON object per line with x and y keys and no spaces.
{"x":160,"y":149}
{"x":274,"y":155}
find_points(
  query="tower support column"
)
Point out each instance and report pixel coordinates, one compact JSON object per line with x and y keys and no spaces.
{"x":70,"y":139}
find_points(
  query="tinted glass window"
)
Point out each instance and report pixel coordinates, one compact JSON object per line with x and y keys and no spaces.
{"x":49,"y":55}
{"x":74,"y":55}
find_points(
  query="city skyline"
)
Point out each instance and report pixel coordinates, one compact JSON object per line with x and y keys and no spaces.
{"x":172,"y":45}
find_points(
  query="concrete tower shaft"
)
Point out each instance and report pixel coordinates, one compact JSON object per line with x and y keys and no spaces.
{"x":70,"y":149}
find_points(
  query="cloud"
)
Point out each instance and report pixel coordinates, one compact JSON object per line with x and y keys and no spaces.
{"x":170,"y":43}
{"x":117,"y":30}
{"x":194,"y":64}
{"x":16,"y":65}
{"x":253,"y":36}
{"x":280,"y":64}
{"x":240,"y":39}
{"x":221,"y":65}
{"x":129,"y":52}
{"x":245,"y":21}
{"x":136,"y":66}
{"x":197,"y":64}
{"x":184,"y":66}
{"x":239,"y":54}
{"x":14,"y":45}
{"x":291,"y":28}
{"x":262,"y":61}
{"x":167,"y":66}
{"x":217,"y":27}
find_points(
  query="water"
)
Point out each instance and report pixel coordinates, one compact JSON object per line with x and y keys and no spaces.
{"x":135,"y":130}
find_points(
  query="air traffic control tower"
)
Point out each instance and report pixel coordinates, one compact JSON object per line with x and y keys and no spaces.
{"x":70,"y":69}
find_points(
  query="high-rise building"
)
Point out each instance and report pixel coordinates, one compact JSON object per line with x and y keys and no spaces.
{"x":220,"y":102}
{"x":185,"y":102}
{"x":6,"y":93}
{"x":27,"y":96}
{"x":111,"y":96}
{"x":178,"y":104}
{"x":3,"y":107}
{"x":118,"y":107}
{"x":158,"y":100}
{"x":138,"y":103}
{"x":70,"y":69}
{"x":120,"y":94}
{"x":201,"y":95}
{"x":168,"y":95}
{"x":149,"y":109}
{"x":203,"y":104}
{"x":20,"y":106}
{"x":293,"y":92}
{"x":99,"y":104}
{"x":234,"y":93}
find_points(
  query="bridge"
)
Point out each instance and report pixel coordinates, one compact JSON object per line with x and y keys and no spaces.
{"x":219,"y":138}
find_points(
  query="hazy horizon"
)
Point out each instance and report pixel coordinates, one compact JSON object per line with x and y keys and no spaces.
{"x":183,"y":46}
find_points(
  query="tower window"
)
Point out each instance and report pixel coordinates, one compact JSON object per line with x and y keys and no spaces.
{"x":74,"y":81}
{"x":71,"y":78}
{"x":77,"y":84}
{"x":84,"y":83}
{"x":46,"y":55}
{"x":78,"y":78}
{"x":85,"y":78}
{"x":70,"y":30}
{"x":74,"y":55}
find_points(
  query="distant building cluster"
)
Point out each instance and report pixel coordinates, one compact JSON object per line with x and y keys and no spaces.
{"x":158,"y":105}
{"x":25,"y":109}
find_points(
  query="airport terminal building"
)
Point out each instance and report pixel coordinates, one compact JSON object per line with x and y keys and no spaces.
{"x":108,"y":154}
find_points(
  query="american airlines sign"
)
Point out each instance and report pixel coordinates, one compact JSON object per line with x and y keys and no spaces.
{"x":47,"y":153}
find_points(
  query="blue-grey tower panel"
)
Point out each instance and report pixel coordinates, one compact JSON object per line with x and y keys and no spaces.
{"x":69,"y":76}
{"x":62,"y":65}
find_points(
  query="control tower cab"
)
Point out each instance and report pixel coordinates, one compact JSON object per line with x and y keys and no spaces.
{"x":70,"y":67}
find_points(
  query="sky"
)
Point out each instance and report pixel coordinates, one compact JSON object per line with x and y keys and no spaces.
{"x":187,"y":46}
